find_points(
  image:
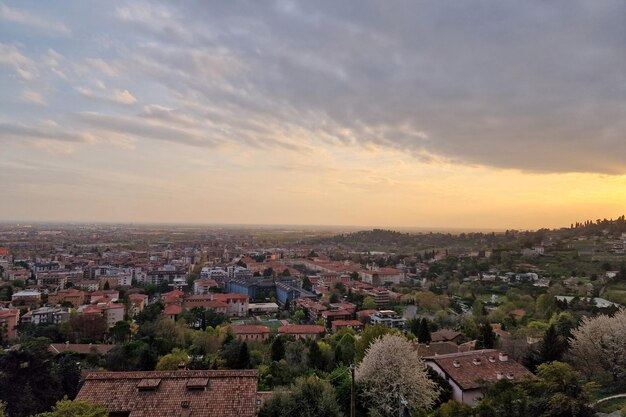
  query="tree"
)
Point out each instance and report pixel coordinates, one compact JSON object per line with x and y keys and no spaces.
{"x":88,"y":328}
{"x":68,"y":371}
{"x":150,"y":313}
{"x":371,"y":333}
{"x":369,"y":303}
{"x":172,"y":361}
{"x":316,"y":360}
{"x":551,"y":348}
{"x":278,"y":348}
{"x":423,"y":335}
{"x":236,"y":354}
{"x":598,"y":345}
{"x":67,"y":408}
{"x":120,"y":332}
{"x":345,"y":349}
{"x":391,"y":372}
{"x":486,"y":336}
{"x":307,"y":397}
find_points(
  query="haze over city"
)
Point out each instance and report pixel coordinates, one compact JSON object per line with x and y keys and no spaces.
{"x":478,"y":114}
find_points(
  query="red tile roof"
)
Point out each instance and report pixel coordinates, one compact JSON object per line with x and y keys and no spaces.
{"x":250,"y":329}
{"x":471,"y":370}
{"x":173,"y":310}
{"x":80,"y":348}
{"x":175,"y":393}
{"x":340,"y":323}
{"x":301,"y":329}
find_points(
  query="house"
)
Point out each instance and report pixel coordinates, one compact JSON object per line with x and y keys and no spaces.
{"x":174,"y":393}
{"x":469,"y":372}
{"x":302,"y":331}
{"x":8,"y":324}
{"x":79,"y":348}
{"x":378,"y":276}
{"x":446,"y":335}
{"x":329,"y":316}
{"x":203,"y":286}
{"x":262,"y":308}
{"x":97,"y":296}
{"x":388,"y":318}
{"x":350,"y":324}
{"x":364,"y":315}
{"x":46,"y":315}
{"x":88,"y":284}
{"x":28,"y":298}
{"x":247,"y":333}
{"x":137,"y":303}
{"x":71,"y":296}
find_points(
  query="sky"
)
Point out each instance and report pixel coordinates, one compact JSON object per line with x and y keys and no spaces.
{"x":442,"y":113}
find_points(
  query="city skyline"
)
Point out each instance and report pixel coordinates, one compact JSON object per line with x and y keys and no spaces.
{"x":494,"y":115}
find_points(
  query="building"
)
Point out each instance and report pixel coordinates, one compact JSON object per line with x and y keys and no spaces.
{"x":72,"y":296}
{"x":8,"y":324}
{"x":174,"y":393}
{"x":46,"y":315}
{"x":350,"y":324}
{"x":137,"y":303}
{"x":469,"y":372}
{"x":27,"y":298}
{"x":388,"y":318}
{"x":16,"y":274}
{"x":286,"y":293}
{"x":52,"y":280}
{"x":248,"y":333}
{"x":203,"y":286}
{"x":302,"y":331}
{"x":79,"y":348}
{"x":446,"y":335}
{"x":88,"y":284}
{"x":262,"y":308}
{"x":381,"y":276}
{"x":329,"y":316}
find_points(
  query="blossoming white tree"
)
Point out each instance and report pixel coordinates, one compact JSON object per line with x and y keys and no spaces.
{"x":599,"y":343}
{"x":394,"y":376}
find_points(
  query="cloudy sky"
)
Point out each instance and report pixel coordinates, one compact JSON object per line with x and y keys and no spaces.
{"x":472,"y":113}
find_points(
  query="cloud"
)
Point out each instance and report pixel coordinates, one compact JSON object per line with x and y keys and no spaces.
{"x":534,"y":86}
{"x":46,"y":131}
{"x":123,"y":97}
{"x":25,"y":18}
{"x":31,"y":96}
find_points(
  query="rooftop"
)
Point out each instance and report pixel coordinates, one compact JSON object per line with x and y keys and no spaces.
{"x":174,"y":393}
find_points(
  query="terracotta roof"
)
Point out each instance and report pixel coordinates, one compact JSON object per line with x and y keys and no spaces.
{"x":444,"y":335}
{"x":301,"y":329}
{"x":172,"y":309}
{"x":436,"y":348}
{"x":471,"y":370}
{"x":250,"y":329}
{"x":364,"y":313}
{"x":339,"y":323}
{"x":335,"y":313}
{"x":80,"y":348}
{"x":174,"y":393}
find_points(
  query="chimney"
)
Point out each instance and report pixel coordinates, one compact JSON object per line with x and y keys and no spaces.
{"x":503,"y":357}
{"x":499,"y":375}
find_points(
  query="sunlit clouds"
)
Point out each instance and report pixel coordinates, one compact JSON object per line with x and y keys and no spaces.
{"x":484,"y":114}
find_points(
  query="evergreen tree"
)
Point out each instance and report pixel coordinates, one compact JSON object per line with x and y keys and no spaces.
{"x":424,"y":332}
{"x":278,"y":348}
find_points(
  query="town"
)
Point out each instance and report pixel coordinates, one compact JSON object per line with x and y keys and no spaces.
{"x":255,"y":321}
